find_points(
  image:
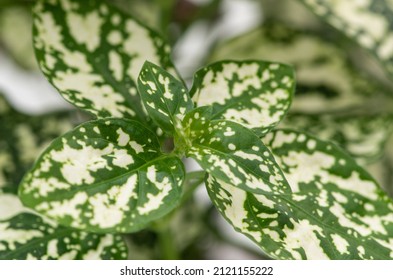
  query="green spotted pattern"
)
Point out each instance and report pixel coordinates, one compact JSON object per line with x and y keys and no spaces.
{"x":256,"y":94}
{"x":234,"y":154}
{"x":27,"y":236}
{"x":335,"y":211}
{"x":368,"y":22}
{"x":165,"y":98}
{"x":92,"y":53}
{"x":107,"y":175}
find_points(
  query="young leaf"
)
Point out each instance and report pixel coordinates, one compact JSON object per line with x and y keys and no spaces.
{"x":104,"y":176}
{"x":335,"y":211}
{"x":165,"y":98}
{"x":26,"y":236}
{"x":92,"y":53}
{"x":235,"y":155}
{"x":256,"y":94}
{"x":196,"y":121}
{"x":367,"y":22}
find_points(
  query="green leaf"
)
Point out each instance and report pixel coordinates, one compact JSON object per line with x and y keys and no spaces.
{"x":107,"y":175}
{"x":165,"y":98}
{"x":23,"y":137}
{"x":92,"y":53}
{"x":369,"y":23}
{"x":335,"y":211}
{"x":17,"y":20}
{"x":256,"y":94}
{"x":362,"y":136}
{"x":235,"y":155}
{"x":196,"y":121}
{"x":24,"y":235}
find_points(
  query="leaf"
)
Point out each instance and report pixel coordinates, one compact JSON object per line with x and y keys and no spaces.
{"x":326,"y":80}
{"x":362,"y":136}
{"x":24,"y":235}
{"x":92,"y":53}
{"x":23,"y":137}
{"x":234,"y":154}
{"x":366,"y":22}
{"x":107,"y":175}
{"x":17,"y":20}
{"x":256,"y":94}
{"x":335,"y":211}
{"x":165,"y":98}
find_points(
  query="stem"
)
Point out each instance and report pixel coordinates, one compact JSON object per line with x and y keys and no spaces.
{"x":167,"y":246}
{"x":166,"y":8}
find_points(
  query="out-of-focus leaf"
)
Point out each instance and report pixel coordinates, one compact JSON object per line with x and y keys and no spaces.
{"x":363,"y":136}
{"x":23,"y":137}
{"x":369,"y":23}
{"x":15,"y":34}
{"x":25,"y":235}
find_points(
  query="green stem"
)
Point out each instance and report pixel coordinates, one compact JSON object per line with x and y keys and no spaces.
{"x":167,"y":246}
{"x":166,"y":9}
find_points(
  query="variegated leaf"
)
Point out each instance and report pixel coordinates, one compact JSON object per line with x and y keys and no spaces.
{"x":256,"y":94}
{"x":335,"y":211}
{"x":23,"y":137}
{"x":165,"y":98}
{"x":234,"y":154}
{"x":362,"y":136}
{"x":92,"y":53}
{"x":196,"y":121}
{"x":369,"y":23}
{"x":107,"y":175}
{"x":325,"y":79}
{"x":25,"y":235}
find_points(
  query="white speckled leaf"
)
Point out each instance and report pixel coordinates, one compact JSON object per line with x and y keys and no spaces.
{"x":362,"y":136}
{"x":256,"y":94}
{"x":92,"y":53}
{"x":335,"y":211}
{"x":165,"y":98}
{"x":234,"y":154}
{"x":369,"y":23}
{"x":107,"y":175}
{"x":25,"y":235}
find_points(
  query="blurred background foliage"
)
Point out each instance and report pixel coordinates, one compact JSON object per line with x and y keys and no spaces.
{"x":342,"y":95}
